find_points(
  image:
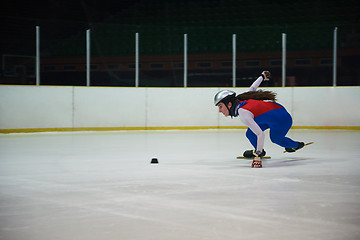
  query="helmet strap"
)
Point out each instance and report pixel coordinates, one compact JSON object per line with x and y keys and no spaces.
{"x":232,"y":109}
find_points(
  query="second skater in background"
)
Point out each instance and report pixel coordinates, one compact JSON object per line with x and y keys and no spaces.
{"x":259,"y":111}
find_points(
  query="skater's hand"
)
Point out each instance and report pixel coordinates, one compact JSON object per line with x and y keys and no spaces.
{"x":256,"y":153}
{"x":265,"y":75}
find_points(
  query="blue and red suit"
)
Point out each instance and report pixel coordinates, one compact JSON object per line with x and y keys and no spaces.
{"x":269,"y":115}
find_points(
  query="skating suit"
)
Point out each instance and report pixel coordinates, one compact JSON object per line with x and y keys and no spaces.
{"x":269,"y":115}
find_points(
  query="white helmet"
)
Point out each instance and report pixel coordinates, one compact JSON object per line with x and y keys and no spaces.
{"x":222,"y":95}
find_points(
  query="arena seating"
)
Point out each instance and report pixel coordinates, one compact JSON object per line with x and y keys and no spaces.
{"x":210,"y":24}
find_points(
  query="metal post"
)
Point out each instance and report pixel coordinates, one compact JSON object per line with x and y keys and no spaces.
{"x":185,"y":60}
{"x":234,"y":60}
{"x":283,"y":59}
{"x":335,"y":57}
{"x":37,"y":64}
{"x":88,"y":57}
{"x":136,"y":59}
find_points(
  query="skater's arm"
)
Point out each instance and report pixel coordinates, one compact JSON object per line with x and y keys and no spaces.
{"x":256,"y":84}
{"x":263,"y":77}
{"x":248,"y":119}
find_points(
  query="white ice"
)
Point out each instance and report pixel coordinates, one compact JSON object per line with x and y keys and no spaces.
{"x":101,"y":185}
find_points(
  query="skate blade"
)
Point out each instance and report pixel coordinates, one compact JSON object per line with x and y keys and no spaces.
{"x":241,"y":157}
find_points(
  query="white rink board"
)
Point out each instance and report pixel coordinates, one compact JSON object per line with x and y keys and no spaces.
{"x":326,"y":106}
{"x":109,"y":107}
{"x":35,"y":107}
{"x":24,"y":107}
{"x":168,"y":107}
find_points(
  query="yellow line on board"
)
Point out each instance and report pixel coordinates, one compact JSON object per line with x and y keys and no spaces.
{"x":86,"y":129}
{"x":327,"y":127}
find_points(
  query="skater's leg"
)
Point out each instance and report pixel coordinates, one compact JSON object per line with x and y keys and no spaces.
{"x":278,"y":137}
{"x":252,"y":137}
{"x":280,"y":124}
{"x":253,"y":140}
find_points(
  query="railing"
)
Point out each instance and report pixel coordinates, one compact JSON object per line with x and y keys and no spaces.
{"x":123,"y":55}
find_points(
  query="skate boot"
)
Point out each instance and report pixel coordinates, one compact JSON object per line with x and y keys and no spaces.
{"x":250,"y":153}
{"x":301,"y":145}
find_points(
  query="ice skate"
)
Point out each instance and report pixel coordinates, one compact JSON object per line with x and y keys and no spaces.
{"x":301,"y":145}
{"x":250,"y":154}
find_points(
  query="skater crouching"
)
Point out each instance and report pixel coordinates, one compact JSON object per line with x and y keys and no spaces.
{"x":259,"y":111}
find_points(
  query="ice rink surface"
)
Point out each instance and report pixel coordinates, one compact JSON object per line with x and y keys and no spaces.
{"x":101,"y":185}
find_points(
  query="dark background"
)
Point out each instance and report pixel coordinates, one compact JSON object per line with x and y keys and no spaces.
{"x":161,"y":25}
